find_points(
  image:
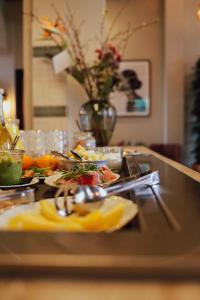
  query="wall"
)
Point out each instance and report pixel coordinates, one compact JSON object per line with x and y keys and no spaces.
{"x":11,"y":55}
{"x":191,"y":34}
{"x":56,"y":91}
{"x":145,"y":44}
{"x":172,"y":46}
{"x":174,"y":59}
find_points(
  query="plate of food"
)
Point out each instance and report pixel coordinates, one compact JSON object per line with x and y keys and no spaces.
{"x":81,"y":156}
{"x":88,"y":174}
{"x":114,"y":213}
{"x":40,"y":173}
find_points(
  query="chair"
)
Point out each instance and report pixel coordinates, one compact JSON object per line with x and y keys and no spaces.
{"x":172,"y":151}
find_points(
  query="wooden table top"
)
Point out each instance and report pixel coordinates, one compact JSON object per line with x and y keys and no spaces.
{"x":60,"y":287}
{"x":193,"y":174}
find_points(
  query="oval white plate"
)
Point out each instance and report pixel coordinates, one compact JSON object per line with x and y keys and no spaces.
{"x":52,"y":179}
{"x":32,"y":182}
{"x":130,"y":211}
{"x":44,"y":177}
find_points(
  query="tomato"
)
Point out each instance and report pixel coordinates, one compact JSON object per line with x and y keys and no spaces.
{"x":108,"y":175}
{"x":90,"y":179}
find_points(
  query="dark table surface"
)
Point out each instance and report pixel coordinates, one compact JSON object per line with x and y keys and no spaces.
{"x":163,"y":240}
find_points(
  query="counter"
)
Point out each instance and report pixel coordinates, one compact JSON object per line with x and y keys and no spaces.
{"x":58,"y":285}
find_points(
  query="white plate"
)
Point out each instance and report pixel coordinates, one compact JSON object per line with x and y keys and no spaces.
{"x":51,"y":180}
{"x":130,"y":211}
{"x":32,"y":182}
{"x":44,"y":177}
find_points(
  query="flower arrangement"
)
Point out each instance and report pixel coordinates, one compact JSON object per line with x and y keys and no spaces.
{"x":101,"y":77}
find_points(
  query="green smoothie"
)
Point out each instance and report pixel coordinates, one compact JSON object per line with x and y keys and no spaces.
{"x":10,"y":169}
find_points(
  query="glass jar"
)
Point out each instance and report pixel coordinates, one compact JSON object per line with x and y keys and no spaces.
{"x":10,"y":167}
{"x":84,"y":139}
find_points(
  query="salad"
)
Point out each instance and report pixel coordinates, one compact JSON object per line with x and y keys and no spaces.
{"x":88,"y":174}
{"x":42,"y":166}
{"x":38,"y":172}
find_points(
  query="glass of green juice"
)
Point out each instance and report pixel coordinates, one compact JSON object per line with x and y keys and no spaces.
{"x":10,"y":167}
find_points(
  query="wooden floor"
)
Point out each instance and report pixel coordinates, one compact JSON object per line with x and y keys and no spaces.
{"x":95,"y":289}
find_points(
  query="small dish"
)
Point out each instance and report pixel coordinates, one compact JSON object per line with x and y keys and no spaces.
{"x":65,"y":164}
{"x":113,"y":155}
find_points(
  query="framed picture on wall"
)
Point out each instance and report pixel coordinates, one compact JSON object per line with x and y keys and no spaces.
{"x":135,"y":100}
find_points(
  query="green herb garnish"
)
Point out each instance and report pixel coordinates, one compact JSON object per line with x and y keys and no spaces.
{"x":78,"y":171}
{"x":39,"y":171}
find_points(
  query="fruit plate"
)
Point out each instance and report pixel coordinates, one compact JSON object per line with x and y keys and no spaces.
{"x":33,"y":214}
{"x":52,"y":179}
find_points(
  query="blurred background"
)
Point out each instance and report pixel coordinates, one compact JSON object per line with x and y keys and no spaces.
{"x":44,"y":100}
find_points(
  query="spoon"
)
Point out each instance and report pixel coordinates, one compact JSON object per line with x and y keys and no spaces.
{"x":14,"y":143}
{"x":76,"y":155}
{"x":60,"y":154}
{"x":85,"y":194}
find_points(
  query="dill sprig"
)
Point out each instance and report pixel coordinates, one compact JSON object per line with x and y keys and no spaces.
{"x":78,"y":171}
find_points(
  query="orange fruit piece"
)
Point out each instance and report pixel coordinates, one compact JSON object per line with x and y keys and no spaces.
{"x":47,"y":161}
{"x":28,"y":162}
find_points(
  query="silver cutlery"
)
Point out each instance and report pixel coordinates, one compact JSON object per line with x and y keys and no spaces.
{"x":89,"y":195}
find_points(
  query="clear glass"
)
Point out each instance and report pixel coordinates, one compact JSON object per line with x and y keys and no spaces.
{"x":85,"y":139}
{"x":38,"y":142}
{"x":5,"y":137}
{"x":12,"y":126}
{"x":33,"y":142}
{"x":13,"y":198}
{"x":113,"y":155}
{"x":10,"y":167}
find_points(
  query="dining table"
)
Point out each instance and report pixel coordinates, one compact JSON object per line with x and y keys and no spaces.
{"x":156,"y":256}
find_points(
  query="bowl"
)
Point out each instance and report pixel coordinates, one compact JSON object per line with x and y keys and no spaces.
{"x":113,"y":155}
{"x":66,"y":164}
{"x":10,"y":166}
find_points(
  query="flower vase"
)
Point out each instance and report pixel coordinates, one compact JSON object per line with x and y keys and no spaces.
{"x":99,"y":117}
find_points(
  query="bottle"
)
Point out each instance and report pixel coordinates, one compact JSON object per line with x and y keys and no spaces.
{"x":5,"y":138}
{"x":12,"y":126}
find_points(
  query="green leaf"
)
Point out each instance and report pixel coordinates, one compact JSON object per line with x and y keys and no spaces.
{"x":77,"y":74}
{"x":106,"y":87}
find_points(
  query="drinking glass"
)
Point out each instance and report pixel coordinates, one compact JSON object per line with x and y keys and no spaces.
{"x":113,"y":155}
{"x":38,"y":142}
